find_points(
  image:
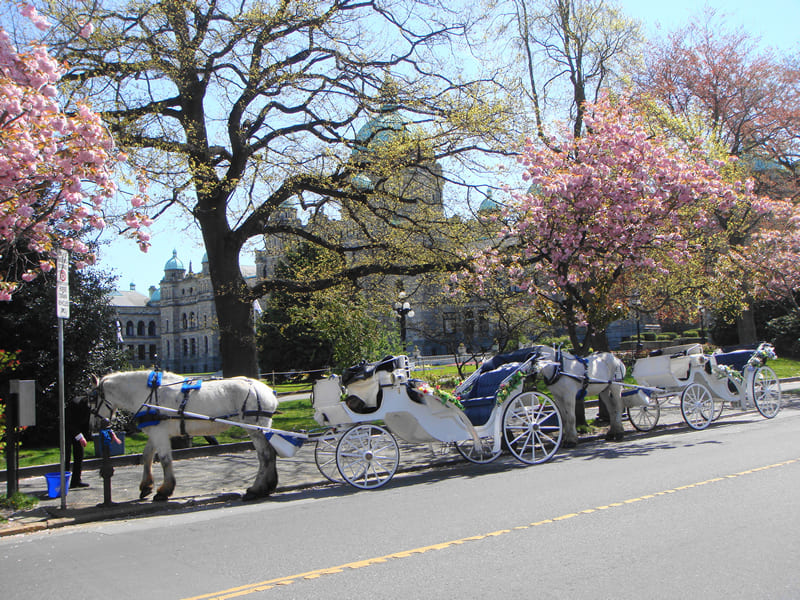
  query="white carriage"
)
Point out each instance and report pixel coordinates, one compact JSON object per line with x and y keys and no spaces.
{"x":371,"y":405}
{"x":703,"y":383}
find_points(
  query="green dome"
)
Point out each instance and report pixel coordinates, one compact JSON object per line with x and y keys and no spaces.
{"x":381,"y":128}
{"x":174,"y":263}
{"x":489,"y":204}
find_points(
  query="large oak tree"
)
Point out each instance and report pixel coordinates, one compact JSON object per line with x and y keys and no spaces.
{"x":237,"y":108}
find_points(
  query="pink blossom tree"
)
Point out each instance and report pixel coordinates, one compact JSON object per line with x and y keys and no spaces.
{"x":55,"y":168}
{"x":606,"y":213}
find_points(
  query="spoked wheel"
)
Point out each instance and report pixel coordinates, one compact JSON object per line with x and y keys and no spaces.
{"x":325,"y":456}
{"x":766,"y":392}
{"x":532,"y":427}
{"x":645,"y":416}
{"x":697,"y":406}
{"x":718,"y":406}
{"x":367,"y":456}
{"x":481,"y":453}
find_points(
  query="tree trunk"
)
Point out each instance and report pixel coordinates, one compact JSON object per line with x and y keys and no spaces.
{"x":746,"y":326}
{"x":231,"y":299}
{"x":600,"y":341}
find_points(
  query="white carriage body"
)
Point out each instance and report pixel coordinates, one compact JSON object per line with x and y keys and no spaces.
{"x":425,"y":420}
{"x":428,"y":420}
{"x":673,"y":369}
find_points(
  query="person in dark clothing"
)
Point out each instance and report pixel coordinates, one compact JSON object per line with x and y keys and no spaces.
{"x":77,"y":417}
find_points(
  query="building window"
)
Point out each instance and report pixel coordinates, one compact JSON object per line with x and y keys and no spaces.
{"x":167,"y":350}
{"x":194,"y":347}
{"x":152,"y":352}
{"x":469,"y":323}
{"x":140,"y":329}
{"x":185,"y":347}
{"x":129,"y":329}
{"x":192,"y":323}
{"x":141,"y":352}
{"x":205,"y":344}
{"x":151,"y":329}
{"x":184,"y":321}
{"x":166,"y":326}
{"x":205,"y":321}
{"x":483,"y":321}
{"x":449,"y":322}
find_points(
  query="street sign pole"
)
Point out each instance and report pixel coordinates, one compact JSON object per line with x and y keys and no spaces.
{"x":62,"y":312}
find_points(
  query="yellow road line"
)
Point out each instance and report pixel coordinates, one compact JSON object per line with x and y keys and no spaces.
{"x":244,"y":590}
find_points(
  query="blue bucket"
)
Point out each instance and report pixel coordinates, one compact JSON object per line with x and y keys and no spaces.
{"x":54,"y":483}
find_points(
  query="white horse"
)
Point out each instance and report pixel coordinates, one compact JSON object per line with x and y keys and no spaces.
{"x":239,"y":399}
{"x":570,"y":378}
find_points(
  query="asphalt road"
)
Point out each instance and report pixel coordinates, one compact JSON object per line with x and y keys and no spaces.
{"x":680,"y":514}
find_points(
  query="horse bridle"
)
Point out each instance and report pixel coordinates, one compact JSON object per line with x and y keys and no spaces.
{"x":97,"y":401}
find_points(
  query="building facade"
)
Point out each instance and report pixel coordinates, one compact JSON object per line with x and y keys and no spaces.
{"x":175,"y":325}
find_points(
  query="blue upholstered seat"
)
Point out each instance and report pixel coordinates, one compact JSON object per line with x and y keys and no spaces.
{"x":480,"y":400}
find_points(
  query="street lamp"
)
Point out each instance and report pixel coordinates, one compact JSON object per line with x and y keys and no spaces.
{"x":636,"y":304}
{"x":701,"y":309}
{"x":403,"y":309}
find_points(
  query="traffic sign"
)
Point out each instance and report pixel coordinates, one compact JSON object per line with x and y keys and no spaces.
{"x":62,"y":285}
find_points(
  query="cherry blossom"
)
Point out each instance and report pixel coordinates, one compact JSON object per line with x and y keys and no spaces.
{"x":56,"y":167}
{"x":614,"y":202}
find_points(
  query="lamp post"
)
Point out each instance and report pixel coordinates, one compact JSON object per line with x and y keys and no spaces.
{"x":636,"y":305}
{"x":403,"y":309}
{"x":701,"y":309}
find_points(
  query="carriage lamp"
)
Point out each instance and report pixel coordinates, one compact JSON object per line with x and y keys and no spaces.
{"x":403,"y":309}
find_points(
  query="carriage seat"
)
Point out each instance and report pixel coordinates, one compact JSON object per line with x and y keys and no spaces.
{"x":480,"y":401}
{"x":669,"y":366}
{"x":736,"y":359}
{"x":363,"y":382}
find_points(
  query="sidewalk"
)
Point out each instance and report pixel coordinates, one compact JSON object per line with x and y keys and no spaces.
{"x":212,"y":476}
{"x":205,"y":480}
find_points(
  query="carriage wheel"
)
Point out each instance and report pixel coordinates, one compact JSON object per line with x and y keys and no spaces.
{"x":367,"y":456}
{"x":645,"y":417}
{"x":532,"y":427}
{"x":481,"y":453}
{"x":766,"y":392}
{"x":718,"y":406}
{"x":325,"y":456}
{"x":697,"y":406}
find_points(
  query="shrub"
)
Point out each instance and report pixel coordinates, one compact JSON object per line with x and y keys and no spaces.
{"x":784,"y":333}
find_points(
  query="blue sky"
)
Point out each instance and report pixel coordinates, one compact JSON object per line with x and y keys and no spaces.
{"x":776,"y":21}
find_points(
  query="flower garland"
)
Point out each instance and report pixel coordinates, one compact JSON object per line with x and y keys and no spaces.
{"x":726,"y":372}
{"x":444,"y":396}
{"x":508,"y":386}
{"x":763,"y":353}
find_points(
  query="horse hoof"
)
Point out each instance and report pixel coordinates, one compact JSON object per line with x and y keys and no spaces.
{"x":614,"y":437}
{"x":250,"y":496}
{"x":160,"y":497}
{"x":144,"y":494}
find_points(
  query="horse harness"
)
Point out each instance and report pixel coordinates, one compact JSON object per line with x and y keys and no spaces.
{"x":585,"y":380}
{"x":148,"y":415}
